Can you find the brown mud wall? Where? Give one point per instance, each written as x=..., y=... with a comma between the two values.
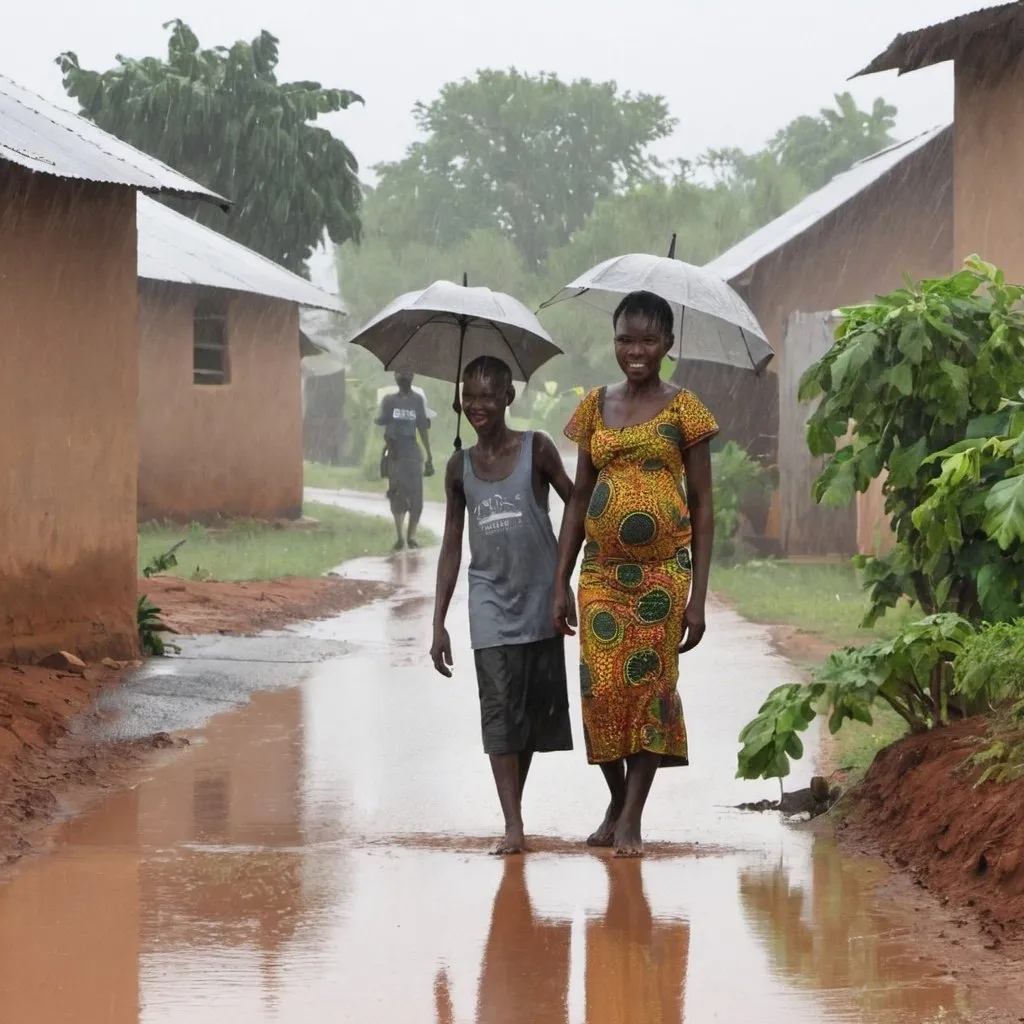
x=989, y=154
x=207, y=451
x=918, y=806
x=68, y=457
x=902, y=223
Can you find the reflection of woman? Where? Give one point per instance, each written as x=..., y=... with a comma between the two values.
x=636, y=967
x=640, y=592
x=525, y=975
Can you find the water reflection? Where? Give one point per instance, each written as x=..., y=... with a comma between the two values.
x=525, y=971
x=635, y=965
x=835, y=937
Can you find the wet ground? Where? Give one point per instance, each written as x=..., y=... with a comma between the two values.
x=319, y=854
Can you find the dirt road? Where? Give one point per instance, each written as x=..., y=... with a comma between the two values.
x=318, y=854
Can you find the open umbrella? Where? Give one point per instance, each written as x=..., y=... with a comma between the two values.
x=712, y=322
x=439, y=330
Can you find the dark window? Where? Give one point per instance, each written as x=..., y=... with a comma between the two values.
x=210, y=342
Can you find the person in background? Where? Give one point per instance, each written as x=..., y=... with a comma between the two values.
x=642, y=502
x=403, y=416
x=503, y=483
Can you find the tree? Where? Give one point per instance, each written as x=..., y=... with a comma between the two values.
x=819, y=148
x=527, y=155
x=221, y=117
x=803, y=156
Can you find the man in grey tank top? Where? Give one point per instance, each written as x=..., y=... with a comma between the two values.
x=503, y=483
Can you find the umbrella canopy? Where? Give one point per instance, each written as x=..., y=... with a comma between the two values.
x=439, y=330
x=712, y=322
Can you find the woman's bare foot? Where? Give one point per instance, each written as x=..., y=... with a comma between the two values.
x=627, y=840
x=605, y=834
x=514, y=842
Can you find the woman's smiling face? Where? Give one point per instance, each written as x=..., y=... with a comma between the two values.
x=640, y=347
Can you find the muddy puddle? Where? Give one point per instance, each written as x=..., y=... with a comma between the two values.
x=318, y=854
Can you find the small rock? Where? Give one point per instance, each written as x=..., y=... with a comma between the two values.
x=64, y=661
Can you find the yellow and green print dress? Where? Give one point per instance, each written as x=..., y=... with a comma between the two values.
x=635, y=578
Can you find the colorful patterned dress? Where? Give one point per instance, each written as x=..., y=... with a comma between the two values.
x=635, y=578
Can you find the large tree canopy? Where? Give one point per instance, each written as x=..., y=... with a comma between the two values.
x=528, y=155
x=220, y=116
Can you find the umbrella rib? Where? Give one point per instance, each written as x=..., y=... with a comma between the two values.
x=511, y=350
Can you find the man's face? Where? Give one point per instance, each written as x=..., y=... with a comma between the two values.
x=484, y=401
x=403, y=380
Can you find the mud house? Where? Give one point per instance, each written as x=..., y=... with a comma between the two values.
x=220, y=385
x=987, y=51
x=844, y=244
x=69, y=333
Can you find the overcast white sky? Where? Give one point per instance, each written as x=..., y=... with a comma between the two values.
x=732, y=70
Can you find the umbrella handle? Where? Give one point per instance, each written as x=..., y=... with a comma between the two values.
x=457, y=401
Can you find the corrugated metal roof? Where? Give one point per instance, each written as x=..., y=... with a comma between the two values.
x=947, y=40
x=743, y=256
x=174, y=248
x=49, y=140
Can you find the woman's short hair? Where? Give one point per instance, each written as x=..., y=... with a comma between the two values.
x=492, y=369
x=647, y=304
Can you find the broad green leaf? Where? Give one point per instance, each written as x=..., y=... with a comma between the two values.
x=901, y=377
x=1005, y=505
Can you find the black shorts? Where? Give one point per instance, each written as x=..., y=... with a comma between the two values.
x=405, y=486
x=524, y=702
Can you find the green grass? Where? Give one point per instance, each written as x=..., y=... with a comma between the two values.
x=252, y=550
x=354, y=478
x=824, y=600
x=856, y=744
x=827, y=602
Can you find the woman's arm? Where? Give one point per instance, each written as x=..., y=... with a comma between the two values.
x=697, y=463
x=570, y=540
x=448, y=562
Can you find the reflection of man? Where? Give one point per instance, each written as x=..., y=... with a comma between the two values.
x=525, y=973
x=403, y=416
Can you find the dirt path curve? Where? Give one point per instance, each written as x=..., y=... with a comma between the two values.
x=320, y=855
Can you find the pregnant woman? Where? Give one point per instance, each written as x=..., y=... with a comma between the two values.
x=642, y=504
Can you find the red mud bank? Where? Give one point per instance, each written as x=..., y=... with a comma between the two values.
x=47, y=765
x=919, y=808
x=241, y=609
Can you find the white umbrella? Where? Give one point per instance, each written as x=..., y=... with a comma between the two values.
x=712, y=322
x=439, y=330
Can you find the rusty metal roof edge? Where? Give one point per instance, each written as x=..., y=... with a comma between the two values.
x=934, y=40
x=136, y=177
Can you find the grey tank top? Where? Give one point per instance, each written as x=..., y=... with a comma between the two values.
x=513, y=553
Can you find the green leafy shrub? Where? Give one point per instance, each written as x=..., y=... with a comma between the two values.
x=737, y=478
x=162, y=562
x=919, y=372
x=912, y=673
x=151, y=627
x=990, y=667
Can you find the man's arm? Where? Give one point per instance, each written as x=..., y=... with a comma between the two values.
x=697, y=463
x=548, y=460
x=423, y=427
x=448, y=562
x=383, y=417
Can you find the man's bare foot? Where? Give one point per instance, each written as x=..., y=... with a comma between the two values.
x=411, y=544
x=605, y=834
x=514, y=842
x=627, y=841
